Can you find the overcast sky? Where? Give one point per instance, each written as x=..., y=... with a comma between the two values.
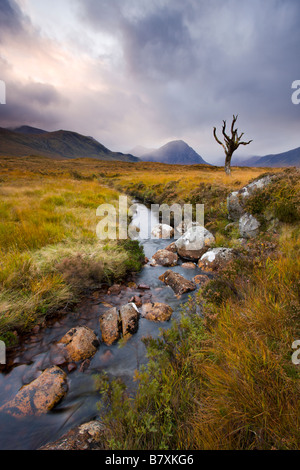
x=144, y=72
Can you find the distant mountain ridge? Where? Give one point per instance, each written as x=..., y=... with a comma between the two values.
x=284, y=159
x=27, y=130
x=176, y=152
x=139, y=151
x=25, y=140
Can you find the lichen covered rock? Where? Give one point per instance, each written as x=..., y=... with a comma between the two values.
x=178, y=283
x=110, y=326
x=129, y=315
x=156, y=311
x=164, y=258
x=80, y=343
x=39, y=396
x=215, y=259
x=87, y=436
x=194, y=243
x=248, y=226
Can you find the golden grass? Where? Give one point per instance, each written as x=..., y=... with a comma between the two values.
x=47, y=212
x=226, y=383
x=223, y=383
x=44, y=220
x=250, y=398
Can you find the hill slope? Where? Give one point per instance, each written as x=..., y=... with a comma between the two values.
x=27, y=130
x=284, y=159
x=25, y=141
x=175, y=152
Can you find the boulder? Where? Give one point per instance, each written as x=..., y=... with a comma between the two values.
x=172, y=247
x=88, y=436
x=164, y=258
x=130, y=319
x=236, y=200
x=110, y=326
x=156, y=311
x=248, y=226
x=80, y=343
x=40, y=396
x=194, y=243
x=235, y=205
x=188, y=265
x=162, y=231
x=215, y=259
x=178, y=283
x=183, y=226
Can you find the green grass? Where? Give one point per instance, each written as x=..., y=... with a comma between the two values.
x=49, y=252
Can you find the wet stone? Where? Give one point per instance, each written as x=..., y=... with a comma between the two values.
x=157, y=312
x=110, y=326
x=178, y=283
x=130, y=319
x=39, y=396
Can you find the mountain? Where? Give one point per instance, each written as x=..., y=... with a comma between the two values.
x=25, y=141
x=289, y=158
x=139, y=151
x=28, y=130
x=175, y=152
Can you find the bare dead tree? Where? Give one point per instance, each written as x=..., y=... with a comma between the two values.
x=230, y=143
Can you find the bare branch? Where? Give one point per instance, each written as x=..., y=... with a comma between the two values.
x=227, y=138
x=233, y=123
x=219, y=142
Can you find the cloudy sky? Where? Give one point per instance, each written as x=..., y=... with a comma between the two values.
x=145, y=72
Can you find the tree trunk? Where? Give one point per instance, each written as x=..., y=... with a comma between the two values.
x=227, y=163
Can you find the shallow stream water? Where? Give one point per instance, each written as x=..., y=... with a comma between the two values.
x=36, y=353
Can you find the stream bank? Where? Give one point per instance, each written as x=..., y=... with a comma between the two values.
x=36, y=353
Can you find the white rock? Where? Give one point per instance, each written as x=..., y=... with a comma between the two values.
x=248, y=226
x=162, y=231
x=194, y=243
x=215, y=259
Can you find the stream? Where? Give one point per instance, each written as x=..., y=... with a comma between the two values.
x=35, y=353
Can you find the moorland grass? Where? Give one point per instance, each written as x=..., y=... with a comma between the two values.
x=226, y=380
x=49, y=251
x=220, y=380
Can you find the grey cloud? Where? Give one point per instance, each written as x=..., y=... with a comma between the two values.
x=32, y=104
x=182, y=67
x=10, y=15
x=41, y=94
x=11, y=19
x=159, y=46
